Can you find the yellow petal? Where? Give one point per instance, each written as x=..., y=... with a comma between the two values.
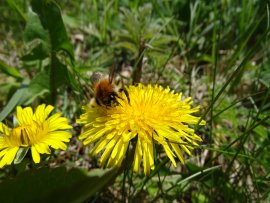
x=137, y=157
x=8, y=156
x=3, y=152
x=4, y=129
x=116, y=148
x=35, y=154
x=146, y=164
x=42, y=148
x=178, y=152
x=100, y=145
x=106, y=154
x=24, y=115
x=170, y=154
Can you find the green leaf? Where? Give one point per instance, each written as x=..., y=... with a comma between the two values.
x=60, y=73
x=13, y=102
x=9, y=70
x=36, y=38
x=51, y=20
x=50, y=16
x=27, y=93
x=34, y=29
x=15, y=6
x=55, y=185
x=37, y=50
x=38, y=86
x=127, y=45
x=73, y=82
x=261, y=131
x=20, y=155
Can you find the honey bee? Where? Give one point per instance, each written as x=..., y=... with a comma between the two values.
x=105, y=90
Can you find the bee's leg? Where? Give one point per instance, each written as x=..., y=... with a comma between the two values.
x=112, y=100
x=126, y=93
x=98, y=103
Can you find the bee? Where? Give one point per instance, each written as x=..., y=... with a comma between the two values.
x=105, y=90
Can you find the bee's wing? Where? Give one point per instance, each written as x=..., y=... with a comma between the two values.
x=96, y=77
x=112, y=73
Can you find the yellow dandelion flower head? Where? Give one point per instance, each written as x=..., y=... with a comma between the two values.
x=36, y=130
x=152, y=114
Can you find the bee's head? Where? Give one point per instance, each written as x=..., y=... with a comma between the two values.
x=110, y=100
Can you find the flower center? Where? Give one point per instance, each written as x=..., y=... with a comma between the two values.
x=22, y=134
x=27, y=134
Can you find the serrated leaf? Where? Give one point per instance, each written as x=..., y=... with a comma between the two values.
x=20, y=155
x=36, y=38
x=33, y=29
x=50, y=16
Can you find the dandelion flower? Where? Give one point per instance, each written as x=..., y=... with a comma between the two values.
x=154, y=115
x=37, y=131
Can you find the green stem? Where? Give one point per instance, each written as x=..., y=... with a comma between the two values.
x=137, y=74
x=53, y=79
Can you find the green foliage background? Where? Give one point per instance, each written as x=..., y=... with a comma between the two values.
x=215, y=51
